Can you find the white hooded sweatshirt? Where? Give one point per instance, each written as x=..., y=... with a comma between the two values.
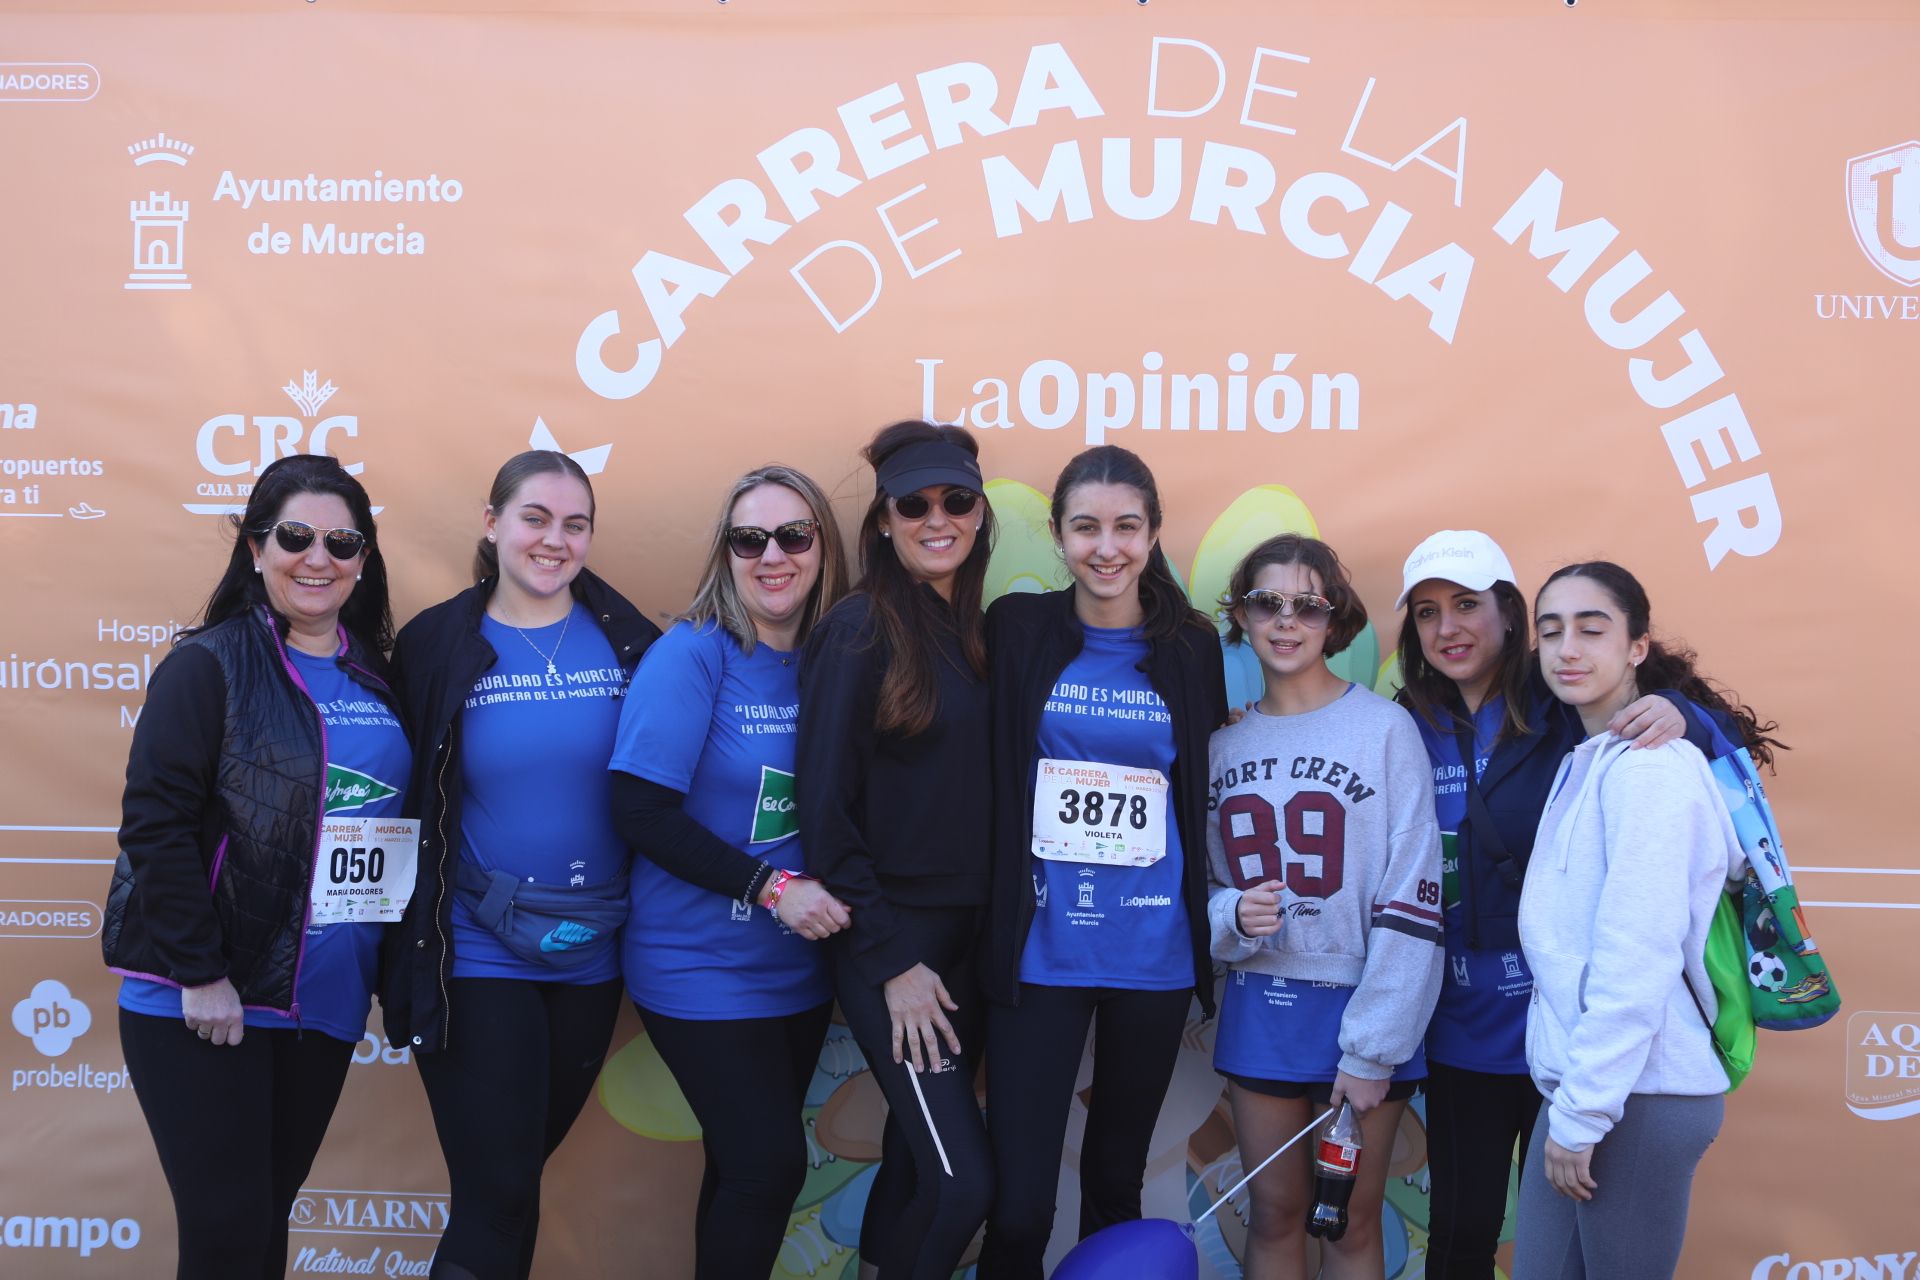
x=1634, y=850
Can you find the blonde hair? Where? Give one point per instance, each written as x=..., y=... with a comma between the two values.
x=718, y=601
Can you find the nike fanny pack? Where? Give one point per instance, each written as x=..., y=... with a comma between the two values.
x=559, y=926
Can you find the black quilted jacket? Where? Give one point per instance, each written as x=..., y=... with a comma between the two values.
x=220, y=820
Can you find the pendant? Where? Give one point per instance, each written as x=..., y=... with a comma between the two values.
x=550, y=669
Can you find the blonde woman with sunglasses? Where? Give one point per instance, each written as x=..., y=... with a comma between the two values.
x=722, y=951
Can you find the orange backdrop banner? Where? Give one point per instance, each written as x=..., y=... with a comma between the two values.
x=1634, y=279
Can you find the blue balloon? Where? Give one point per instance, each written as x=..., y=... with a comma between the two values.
x=1148, y=1249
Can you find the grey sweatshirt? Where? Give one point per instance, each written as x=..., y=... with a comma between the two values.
x=1633, y=852
x=1337, y=803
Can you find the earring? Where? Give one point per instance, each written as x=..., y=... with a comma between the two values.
x=356, y=577
x=256, y=566
x=886, y=533
x=489, y=537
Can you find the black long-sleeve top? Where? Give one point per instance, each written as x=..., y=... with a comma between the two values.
x=887, y=819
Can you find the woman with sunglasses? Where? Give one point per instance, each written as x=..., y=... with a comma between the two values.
x=1469, y=677
x=504, y=977
x=722, y=954
x=268, y=735
x=1634, y=851
x=892, y=785
x=1104, y=695
x=1326, y=864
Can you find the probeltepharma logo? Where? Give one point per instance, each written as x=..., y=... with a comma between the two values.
x=53, y=1018
x=84, y=1236
x=1883, y=1065
x=230, y=446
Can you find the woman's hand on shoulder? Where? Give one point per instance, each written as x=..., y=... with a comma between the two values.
x=213, y=1012
x=1652, y=721
x=809, y=909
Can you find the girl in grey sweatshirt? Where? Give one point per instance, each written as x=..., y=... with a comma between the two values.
x=1633, y=852
x=1324, y=858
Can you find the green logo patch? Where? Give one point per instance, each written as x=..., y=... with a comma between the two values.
x=773, y=816
x=348, y=789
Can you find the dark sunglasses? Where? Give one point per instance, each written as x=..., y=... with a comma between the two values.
x=1262, y=605
x=955, y=502
x=295, y=536
x=749, y=542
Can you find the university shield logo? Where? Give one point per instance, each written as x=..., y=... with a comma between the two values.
x=773, y=817
x=1883, y=203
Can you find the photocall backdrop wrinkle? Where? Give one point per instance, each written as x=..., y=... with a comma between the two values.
x=1626, y=280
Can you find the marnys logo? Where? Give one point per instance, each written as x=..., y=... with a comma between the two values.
x=233, y=444
x=412, y=1215
x=1881, y=1266
x=1883, y=1065
x=53, y=1018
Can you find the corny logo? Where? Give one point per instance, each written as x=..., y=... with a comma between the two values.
x=51, y=1017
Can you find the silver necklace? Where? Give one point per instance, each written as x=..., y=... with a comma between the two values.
x=548, y=657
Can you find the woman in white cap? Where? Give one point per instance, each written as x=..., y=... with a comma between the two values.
x=1478, y=698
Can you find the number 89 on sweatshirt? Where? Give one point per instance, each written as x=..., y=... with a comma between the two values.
x=1114, y=815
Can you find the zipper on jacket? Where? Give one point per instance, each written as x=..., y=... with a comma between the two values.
x=446, y=947
x=319, y=829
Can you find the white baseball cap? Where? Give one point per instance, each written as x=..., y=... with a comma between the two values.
x=1465, y=556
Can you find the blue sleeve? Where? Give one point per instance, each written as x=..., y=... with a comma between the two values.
x=669, y=707
x=1708, y=730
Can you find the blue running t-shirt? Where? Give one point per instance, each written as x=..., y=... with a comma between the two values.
x=367, y=763
x=1480, y=1021
x=717, y=725
x=1104, y=925
x=533, y=769
x=1287, y=1029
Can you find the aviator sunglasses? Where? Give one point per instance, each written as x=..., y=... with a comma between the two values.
x=295, y=536
x=749, y=542
x=1262, y=605
x=955, y=502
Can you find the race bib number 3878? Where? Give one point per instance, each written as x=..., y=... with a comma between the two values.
x=1084, y=811
x=365, y=870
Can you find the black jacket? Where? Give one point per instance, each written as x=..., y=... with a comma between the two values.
x=1030, y=641
x=1518, y=779
x=887, y=819
x=436, y=660
x=220, y=820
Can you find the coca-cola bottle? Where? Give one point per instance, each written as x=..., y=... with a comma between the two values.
x=1334, y=1163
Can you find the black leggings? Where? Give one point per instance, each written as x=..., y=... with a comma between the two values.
x=505, y=1090
x=1474, y=1119
x=746, y=1080
x=1036, y=1048
x=920, y=1219
x=237, y=1128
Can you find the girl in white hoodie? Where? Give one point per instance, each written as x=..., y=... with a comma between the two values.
x=1633, y=852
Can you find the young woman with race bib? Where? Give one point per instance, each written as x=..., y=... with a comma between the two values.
x=504, y=978
x=893, y=785
x=1325, y=860
x=722, y=953
x=1469, y=677
x=1634, y=851
x=1104, y=695
x=267, y=762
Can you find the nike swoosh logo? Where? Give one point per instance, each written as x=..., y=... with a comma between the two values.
x=567, y=935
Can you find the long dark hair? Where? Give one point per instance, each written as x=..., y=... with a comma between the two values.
x=1349, y=614
x=513, y=473
x=1436, y=699
x=366, y=614
x=908, y=620
x=1670, y=664
x=1164, y=606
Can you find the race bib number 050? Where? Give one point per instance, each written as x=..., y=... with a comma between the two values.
x=366, y=870
x=1101, y=813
